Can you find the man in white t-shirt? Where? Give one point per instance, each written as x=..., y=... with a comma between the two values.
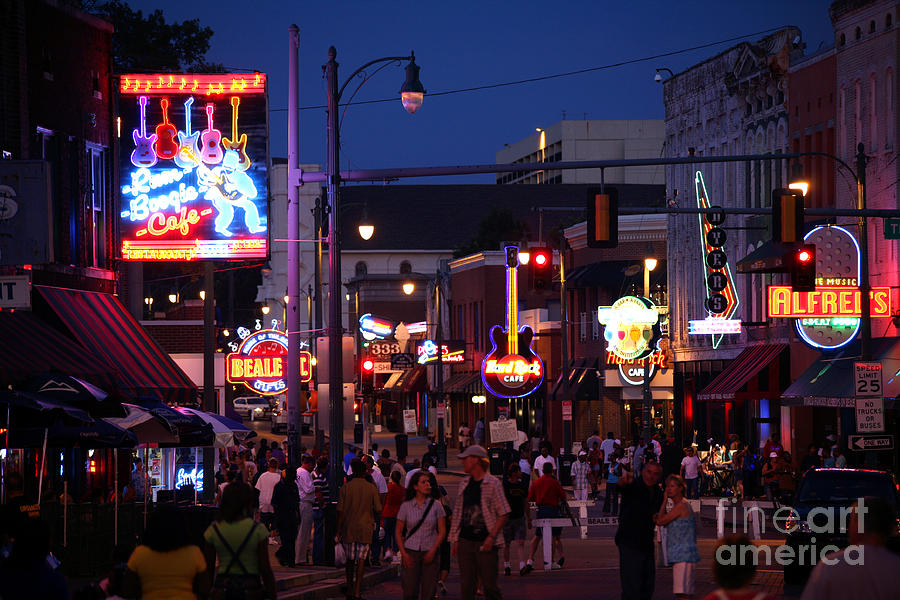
x=266, y=484
x=690, y=471
x=525, y=461
x=543, y=458
x=607, y=446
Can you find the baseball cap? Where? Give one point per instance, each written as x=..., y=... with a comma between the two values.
x=476, y=451
x=582, y=453
x=773, y=455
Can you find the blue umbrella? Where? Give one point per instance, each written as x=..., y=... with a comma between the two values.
x=24, y=408
x=73, y=391
x=97, y=434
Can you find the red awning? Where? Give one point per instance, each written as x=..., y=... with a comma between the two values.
x=747, y=364
x=101, y=324
x=32, y=347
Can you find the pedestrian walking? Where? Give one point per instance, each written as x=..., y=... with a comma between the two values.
x=240, y=545
x=166, y=565
x=690, y=471
x=395, y=496
x=479, y=432
x=611, y=498
x=865, y=569
x=266, y=486
x=463, y=436
x=735, y=576
x=381, y=486
x=445, y=545
x=357, y=506
x=681, y=536
x=476, y=533
x=525, y=460
x=539, y=462
x=323, y=498
x=420, y=529
x=580, y=473
x=515, y=488
x=307, y=493
x=641, y=497
x=547, y=493
x=286, y=504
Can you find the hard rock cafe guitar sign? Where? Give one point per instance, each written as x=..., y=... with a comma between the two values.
x=512, y=369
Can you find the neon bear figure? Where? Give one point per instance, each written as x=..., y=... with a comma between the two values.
x=143, y=154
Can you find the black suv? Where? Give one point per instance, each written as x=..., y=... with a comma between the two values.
x=831, y=490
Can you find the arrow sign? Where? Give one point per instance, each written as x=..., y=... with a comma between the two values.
x=871, y=442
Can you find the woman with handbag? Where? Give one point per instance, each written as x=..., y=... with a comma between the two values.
x=422, y=518
x=242, y=548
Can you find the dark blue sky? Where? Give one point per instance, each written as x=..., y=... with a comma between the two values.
x=462, y=44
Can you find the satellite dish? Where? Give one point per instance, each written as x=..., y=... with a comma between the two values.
x=632, y=270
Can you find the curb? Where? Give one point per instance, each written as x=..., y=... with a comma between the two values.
x=331, y=588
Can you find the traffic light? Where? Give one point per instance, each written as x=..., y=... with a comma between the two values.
x=541, y=268
x=603, y=217
x=803, y=268
x=368, y=365
x=787, y=216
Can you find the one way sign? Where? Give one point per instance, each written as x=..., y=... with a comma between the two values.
x=871, y=442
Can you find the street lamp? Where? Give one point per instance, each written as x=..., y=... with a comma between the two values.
x=411, y=95
x=798, y=182
x=649, y=265
x=658, y=77
x=409, y=287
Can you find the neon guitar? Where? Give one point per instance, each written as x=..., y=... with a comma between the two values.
x=143, y=154
x=186, y=139
x=239, y=145
x=211, y=139
x=165, y=146
x=217, y=181
x=512, y=368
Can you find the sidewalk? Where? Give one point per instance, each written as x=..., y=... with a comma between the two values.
x=321, y=582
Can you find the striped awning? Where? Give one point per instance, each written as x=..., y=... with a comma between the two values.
x=33, y=347
x=101, y=325
x=744, y=367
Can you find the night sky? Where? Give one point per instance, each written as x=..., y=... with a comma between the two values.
x=470, y=44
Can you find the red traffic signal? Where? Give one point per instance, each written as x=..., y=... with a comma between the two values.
x=603, y=217
x=368, y=365
x=803, y=268
x=541, y=268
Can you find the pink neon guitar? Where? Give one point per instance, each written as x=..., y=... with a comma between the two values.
x=186, y=139
x=239, y=145
x=143, y=154
x=211, y=140
x=165, y=145
x=512, y=369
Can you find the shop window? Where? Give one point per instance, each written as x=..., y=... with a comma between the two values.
x=95, y=160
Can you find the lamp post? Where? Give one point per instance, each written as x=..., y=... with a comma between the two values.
x=649, y=265
x=411, y=93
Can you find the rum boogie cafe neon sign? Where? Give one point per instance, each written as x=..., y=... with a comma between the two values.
x=261, y=363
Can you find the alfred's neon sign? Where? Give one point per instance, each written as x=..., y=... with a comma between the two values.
x=826, y=302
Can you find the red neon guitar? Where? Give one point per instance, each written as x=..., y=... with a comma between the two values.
x=143, y=154
x=238, y=145
x=165, y=145
x=211, y=139
x=512, y=369
x=186, y=139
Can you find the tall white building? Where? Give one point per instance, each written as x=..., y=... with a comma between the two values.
x=588, y=140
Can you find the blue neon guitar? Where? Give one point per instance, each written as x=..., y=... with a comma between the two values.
x=512, y=369
x=143, y=154
x=186, y=139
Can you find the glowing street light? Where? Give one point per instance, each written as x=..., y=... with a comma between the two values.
x=408, y=288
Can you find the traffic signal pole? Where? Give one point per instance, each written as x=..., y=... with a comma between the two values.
x=864, y=283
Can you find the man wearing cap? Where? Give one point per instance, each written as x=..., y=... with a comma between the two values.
x=580, y=471
x=476, y=531
x=547, y=494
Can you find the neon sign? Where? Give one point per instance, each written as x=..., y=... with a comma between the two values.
x=512, y=369
x=260, y=362
x=826, y=302
x=721, y=294
x=373, y=328
x=632, y=370
x=192, y=194
x=714, y=326
x=452, y=351
x=631, y=327
x=192, y=476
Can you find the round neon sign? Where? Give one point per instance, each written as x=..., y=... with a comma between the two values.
x=631, y=327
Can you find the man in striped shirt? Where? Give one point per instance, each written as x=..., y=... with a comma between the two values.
x=320, y=481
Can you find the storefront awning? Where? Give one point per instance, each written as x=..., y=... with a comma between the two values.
x=31, y=347
x=829, y=380
x=391, y=382
x=458, y=383
x=746, y=366
x=411, y=380
x=101, y=324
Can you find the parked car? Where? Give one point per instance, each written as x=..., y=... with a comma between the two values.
x=280, y=415
x=831, y=489
x=252, y=407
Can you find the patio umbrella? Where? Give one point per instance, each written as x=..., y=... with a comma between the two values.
x=227, y=432
x=192, y=431
x=63, y=434
x=31, y=410
x=66, y=389
x=148, y=427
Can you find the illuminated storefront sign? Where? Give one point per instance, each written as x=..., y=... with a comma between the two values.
x=714, y=326
x=631, y=327
x=826, y=302
x=512, y=369
x=721, y=294
x=260, y=362
x=453, y=351
x=191, y=193
x=373, y=328
x=189, y=476
x=632, y=370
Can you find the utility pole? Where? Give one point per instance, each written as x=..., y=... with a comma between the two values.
x=564, y=335
x=292, y=311
x=864, y=283
x=439, y=376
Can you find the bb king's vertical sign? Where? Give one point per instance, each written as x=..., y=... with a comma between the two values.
x=194, y=161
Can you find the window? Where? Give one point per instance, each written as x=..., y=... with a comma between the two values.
x=595, y=325
x=405, y=268
x=871, y=26
x=842, y=121
x=858, y=33
x=361, y=269
x=889, y=109
x=888, y=21
x=582, y=326
x=857, y=112
x=843, y=40
x=95, y=161
x=476, y=325
x=873, y=113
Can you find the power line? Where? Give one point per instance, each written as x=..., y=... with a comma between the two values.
x=555, y=75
